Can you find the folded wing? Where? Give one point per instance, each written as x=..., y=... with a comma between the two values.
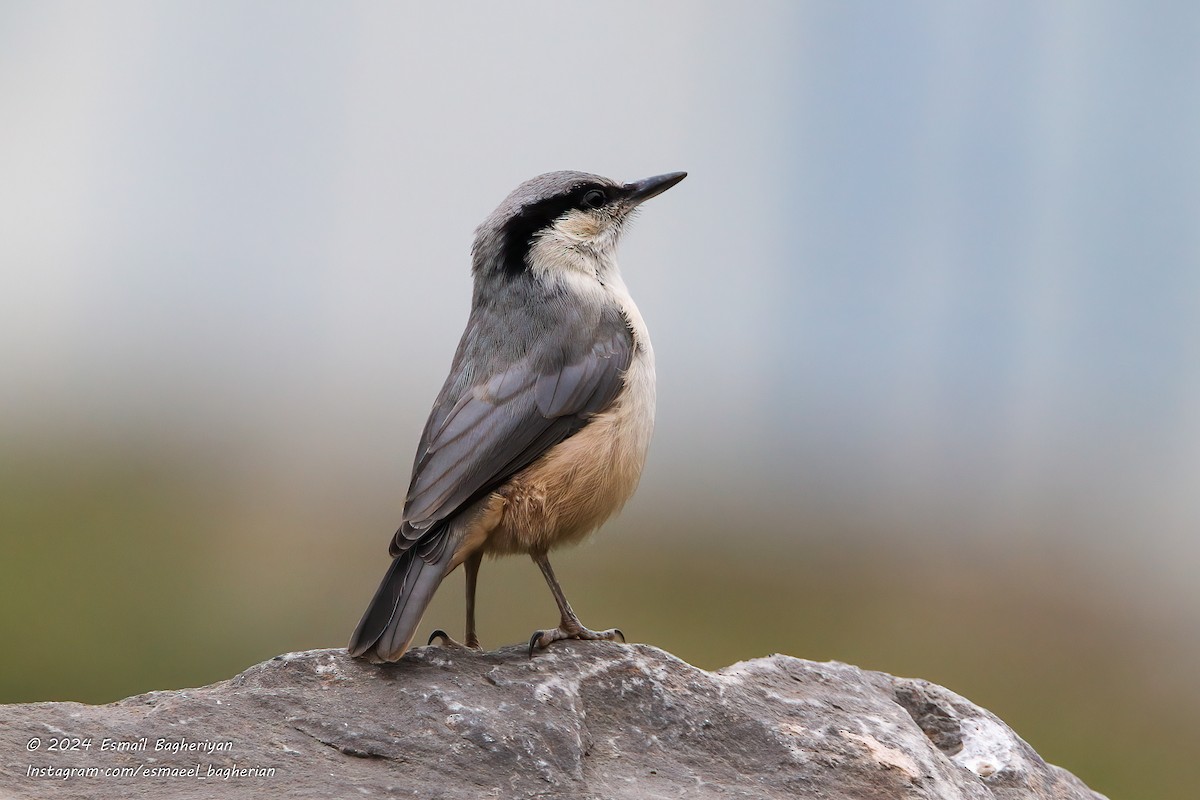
x=480, y=436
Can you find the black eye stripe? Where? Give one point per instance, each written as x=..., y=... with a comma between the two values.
x=520, y=230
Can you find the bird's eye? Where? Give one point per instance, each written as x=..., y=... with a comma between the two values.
x=594, y=199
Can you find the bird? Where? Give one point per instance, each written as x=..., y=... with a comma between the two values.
x=541, y=429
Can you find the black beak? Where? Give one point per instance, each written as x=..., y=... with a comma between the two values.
x=641, y=191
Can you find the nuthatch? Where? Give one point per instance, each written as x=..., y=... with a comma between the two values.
x=541, y=429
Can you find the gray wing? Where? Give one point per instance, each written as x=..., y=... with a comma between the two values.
x=480, y=434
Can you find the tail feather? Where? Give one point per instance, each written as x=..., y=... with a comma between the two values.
x=391, y=620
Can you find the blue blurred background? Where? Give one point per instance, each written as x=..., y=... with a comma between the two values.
x=927, y=316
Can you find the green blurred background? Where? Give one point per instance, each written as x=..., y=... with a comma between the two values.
x=927, y=315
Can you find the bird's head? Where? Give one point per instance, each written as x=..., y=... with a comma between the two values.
x=560, y=222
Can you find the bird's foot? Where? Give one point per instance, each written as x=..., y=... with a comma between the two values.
x=543, y=639
x=472, y=643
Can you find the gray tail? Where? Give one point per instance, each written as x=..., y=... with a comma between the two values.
x=390, y=622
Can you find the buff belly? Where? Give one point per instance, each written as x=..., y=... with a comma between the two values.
x=577, y=484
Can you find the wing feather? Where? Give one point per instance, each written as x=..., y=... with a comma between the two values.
x=481, y=434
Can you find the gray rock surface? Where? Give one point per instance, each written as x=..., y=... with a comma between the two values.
x=581, y=720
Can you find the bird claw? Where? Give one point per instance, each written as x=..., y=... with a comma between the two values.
x=449, y=642
x=543, y=639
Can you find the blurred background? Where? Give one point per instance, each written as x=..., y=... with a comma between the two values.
x=927, y=317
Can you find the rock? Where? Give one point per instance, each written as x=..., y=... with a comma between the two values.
x=580, y=720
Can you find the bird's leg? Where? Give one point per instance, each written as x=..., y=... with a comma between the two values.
x=471, y=565
x=472, y=568
x=569, y=627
